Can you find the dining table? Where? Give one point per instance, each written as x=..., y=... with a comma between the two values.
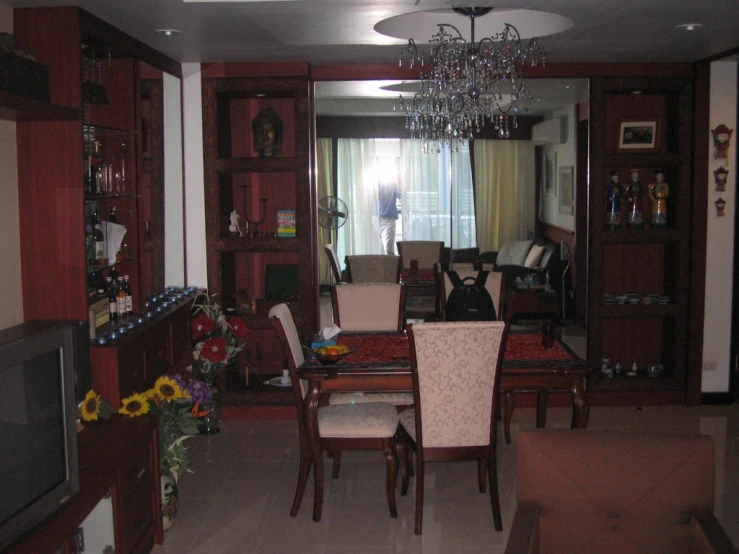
x=380, y=362
x=421, y=285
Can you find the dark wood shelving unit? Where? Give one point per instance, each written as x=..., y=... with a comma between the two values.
x=19, y=108
x=641, y=261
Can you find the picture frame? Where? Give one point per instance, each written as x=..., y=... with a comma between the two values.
x=550, y=173
x=639, y=135
x=566, y=190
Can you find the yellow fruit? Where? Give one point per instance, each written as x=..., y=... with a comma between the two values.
x=342, y=348
x=322, y=351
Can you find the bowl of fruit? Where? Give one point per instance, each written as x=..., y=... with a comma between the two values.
x=331, y=353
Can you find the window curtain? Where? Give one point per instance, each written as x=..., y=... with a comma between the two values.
x=505, y=192
x=324, y=178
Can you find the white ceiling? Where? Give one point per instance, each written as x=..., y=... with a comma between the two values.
x=326, y=32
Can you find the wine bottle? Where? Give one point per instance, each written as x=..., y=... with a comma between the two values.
x=113, y=216
x=112, y=300
x=129, y=295
x=121, y=299
x=114, y=275
x=97, y=232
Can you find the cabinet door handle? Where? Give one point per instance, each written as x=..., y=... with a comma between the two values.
x=140, y=473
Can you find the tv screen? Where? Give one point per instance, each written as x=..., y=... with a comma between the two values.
x=39, y=467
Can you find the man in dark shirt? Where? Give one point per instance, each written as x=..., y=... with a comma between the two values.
x=387, y=194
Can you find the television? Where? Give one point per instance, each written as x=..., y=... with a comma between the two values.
x=44, y=372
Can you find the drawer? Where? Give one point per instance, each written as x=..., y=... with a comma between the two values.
x=138, y=518
x=136, y=471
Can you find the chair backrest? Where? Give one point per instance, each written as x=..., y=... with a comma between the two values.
x=333, y=260
x=373, y=269
x=283, y=322
x=615, y=482
x=455, y=380
x=495, y=285
x=369, y=306
x=427, y=252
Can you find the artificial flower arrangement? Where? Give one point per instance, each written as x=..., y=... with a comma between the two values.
x=218, y=337
x=179, y=407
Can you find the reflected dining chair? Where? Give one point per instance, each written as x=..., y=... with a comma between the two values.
x=427, y=252
x=363, y=426
x=495, y=285
x=369, y=306
x=456, y=375
x=333, y=261
x=373, y=269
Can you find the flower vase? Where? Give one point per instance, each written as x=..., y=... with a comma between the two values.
x=170, y=496
x=209, y=424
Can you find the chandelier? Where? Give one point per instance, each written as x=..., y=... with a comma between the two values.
x=464, y=84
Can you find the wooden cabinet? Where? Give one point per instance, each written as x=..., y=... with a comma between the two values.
x=258, y=263
x=652, y=260
x=119, y=457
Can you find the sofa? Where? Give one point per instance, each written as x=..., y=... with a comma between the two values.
x=520, y=259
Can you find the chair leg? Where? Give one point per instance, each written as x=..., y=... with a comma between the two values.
x=337, y=464
x=303, y=473
x=391, y=461
x=494, y=497
x=404, y=456
x=419, y=493
x=482, y=469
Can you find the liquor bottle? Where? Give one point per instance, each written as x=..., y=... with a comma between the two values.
x=89, y=244
x=113, y=216
x=112, y=300
x=97, y=232
x=113, y=275
x=121, y=299
x=129, y=295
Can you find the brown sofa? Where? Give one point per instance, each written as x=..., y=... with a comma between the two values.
x=600, y=492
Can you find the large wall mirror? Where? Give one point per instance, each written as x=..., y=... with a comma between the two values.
x=552, y=164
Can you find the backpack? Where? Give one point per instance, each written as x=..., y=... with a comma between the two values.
x=469, y=301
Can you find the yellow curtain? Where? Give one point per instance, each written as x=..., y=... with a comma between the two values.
x=324, y=179
x=505, y=192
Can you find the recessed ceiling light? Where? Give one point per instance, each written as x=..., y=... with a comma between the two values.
x=168, y=32
x=690, y=26
x=260, y=94
x=635, y=92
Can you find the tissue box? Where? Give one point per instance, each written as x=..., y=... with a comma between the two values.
x=314, y=344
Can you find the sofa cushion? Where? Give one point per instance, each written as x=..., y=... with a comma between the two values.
x=549, y=250
x=534, y=256
x=513, y=252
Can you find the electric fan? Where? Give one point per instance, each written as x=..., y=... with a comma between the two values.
x=332, y=212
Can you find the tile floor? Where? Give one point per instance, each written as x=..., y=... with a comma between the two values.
x=238, y=499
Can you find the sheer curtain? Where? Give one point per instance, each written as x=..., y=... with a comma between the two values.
x=505, y=191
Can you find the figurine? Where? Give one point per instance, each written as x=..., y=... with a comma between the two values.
x=720, y=175
x=720, y=207
x=267, y=130
x=613, y=197
x=721, y=141
x=635, y=215
x=658, y=193
x=234, y=228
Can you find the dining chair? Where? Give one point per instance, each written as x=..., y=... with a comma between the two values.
x=375, y=268
x=427, y=252
x=456, y=375
x=333, y=260
x=365, y=426
x=495, y=285
x=369, y=306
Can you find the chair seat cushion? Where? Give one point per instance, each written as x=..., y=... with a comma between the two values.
x=394, y=398
x=408, y=421
x=363, y=420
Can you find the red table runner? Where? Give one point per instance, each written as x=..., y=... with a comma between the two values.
x=389, y=347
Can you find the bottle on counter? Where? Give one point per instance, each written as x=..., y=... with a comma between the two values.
x=121, y=299
x=129, y=295
x=112, y=300
x=98, y=236
x=114, y=276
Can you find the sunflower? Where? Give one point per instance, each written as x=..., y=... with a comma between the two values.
x=90, y=406
x=135, y=405
x=167, y=388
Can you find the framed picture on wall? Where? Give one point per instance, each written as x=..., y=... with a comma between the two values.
x=550, y=173
x=565, y=190
x=639, y=135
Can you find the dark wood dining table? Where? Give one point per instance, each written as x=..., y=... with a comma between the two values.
x=381, y=363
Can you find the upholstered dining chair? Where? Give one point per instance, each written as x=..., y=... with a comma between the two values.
x=495, y=285
x=369, y=306
x=615, y=492
x=333, y=260
x=427, y=252
x=456, y=373
x=362, y=426
x=373, y=268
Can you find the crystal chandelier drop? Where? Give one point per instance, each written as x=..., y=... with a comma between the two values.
x=465, y=84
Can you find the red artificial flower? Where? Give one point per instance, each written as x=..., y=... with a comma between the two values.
x=214, y=350
x=238, y=326
x=202, y=325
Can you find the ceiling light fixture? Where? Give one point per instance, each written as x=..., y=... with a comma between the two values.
x=168, y=32
x=465, y=84
x=689, y=27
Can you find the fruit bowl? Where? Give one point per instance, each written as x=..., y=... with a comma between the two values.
x=329, y=359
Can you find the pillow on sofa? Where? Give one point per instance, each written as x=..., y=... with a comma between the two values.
x=513, y=252
x=534, y=256
x=549, y=250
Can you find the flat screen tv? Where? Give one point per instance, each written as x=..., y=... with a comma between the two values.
x=40, y=361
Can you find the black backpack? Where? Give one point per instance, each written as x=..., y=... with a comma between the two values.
x=469, y=301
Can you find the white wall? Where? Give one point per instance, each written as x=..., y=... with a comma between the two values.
x=174, y=245
x=11, y=293
x=565, y=157
x=720, y=236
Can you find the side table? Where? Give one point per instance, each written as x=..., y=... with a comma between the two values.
x=531, y=301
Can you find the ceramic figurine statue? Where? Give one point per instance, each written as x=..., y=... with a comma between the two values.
x=658, y=193
x=635, y=215
x=613, y=199
x=234, y=229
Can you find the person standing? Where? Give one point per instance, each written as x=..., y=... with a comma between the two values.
x=387, y=194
